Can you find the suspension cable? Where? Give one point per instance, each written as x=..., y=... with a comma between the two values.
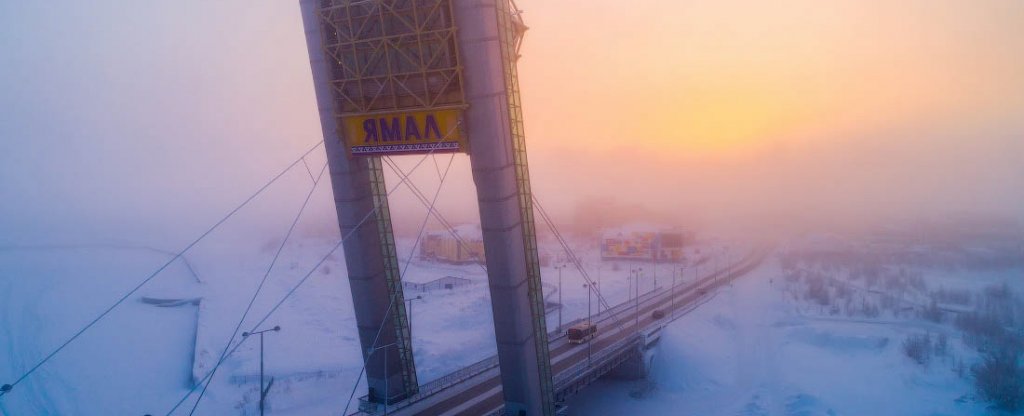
x=310, y=273
x=7, y=388
x=544, y=215
x=259, y=288
x=574, y=259
x=433, y=211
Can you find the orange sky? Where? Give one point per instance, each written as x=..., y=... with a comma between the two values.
x=724, y=75
x=807, y=109
x=715, y=111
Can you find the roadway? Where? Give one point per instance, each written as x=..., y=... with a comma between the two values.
x=481, y=394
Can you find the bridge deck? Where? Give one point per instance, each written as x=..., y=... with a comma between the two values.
x=476, y=390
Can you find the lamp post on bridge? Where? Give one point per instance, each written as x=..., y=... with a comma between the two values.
x=629, y=288
x=728, y=262
x=409, y=301
x=638, y=271
x=657, y=255
x=560, y=306
x=682, y=271
x=263, y=392
x=639, y=274
x=718, y=264
x=589, y=340
x=387, y=387
x=696, y=266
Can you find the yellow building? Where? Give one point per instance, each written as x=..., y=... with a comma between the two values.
x=442, y=246
x=645, y=245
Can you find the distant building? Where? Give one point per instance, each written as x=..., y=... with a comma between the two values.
x=445, y=283
x=442, y=246
x=645, y=245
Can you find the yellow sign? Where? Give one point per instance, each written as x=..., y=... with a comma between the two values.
x=438, y=131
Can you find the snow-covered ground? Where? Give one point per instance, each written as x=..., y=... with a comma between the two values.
x=750, y=350
x=753, y=351
x=142, y=358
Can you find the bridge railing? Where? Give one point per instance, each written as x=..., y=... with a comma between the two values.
x=465, y=373
x=433, y=387
x=458, y=376
x=579, y=369
x=623, y=309
x=586, y=371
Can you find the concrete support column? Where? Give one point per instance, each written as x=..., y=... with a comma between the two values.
x=373, y=273
x=502, y=181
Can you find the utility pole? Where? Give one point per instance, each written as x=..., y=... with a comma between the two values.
x=263, y=392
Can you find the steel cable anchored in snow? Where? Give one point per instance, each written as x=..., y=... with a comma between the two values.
x=208, y=378
x=7, y=388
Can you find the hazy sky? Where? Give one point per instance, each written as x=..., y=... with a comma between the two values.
x=156, y=113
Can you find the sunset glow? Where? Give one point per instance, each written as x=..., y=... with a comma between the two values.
x=522, y=207
x=723, y=76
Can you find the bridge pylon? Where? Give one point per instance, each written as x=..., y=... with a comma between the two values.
x=399, y=77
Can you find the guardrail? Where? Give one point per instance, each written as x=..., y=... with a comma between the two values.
x=565, y=377
x=607, y=314
x=581, y=368
x=435, y=386
x=458, y=376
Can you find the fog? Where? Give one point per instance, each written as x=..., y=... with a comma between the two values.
x=151, y=120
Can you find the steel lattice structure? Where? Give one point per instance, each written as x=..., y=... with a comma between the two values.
x=392, y=55
x=510, y=33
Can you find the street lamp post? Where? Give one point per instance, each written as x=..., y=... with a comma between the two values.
x=728, y=263
x=629, y=289
x=263, y=392
x=599, y=288
x=672, y=296
x=682, y=274
x=696, y=267
x=718, y=265
x=409, y=301
x=727, y=269
x=637, y=298
x=387, y=387
x=560, y=306
x=589, y=289
x=655, y=275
